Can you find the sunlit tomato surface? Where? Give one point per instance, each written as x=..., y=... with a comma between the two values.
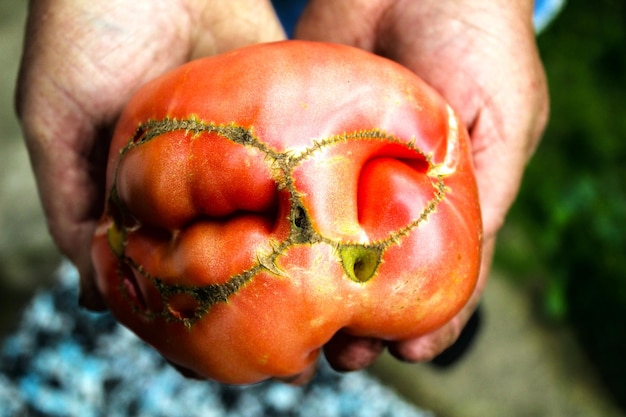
x=261, y=200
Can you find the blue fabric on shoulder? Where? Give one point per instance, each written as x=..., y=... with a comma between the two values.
x=290, y=10
x=544, y=13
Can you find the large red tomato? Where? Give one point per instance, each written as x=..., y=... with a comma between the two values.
x=262, y=200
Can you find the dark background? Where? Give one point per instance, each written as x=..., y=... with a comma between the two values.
x=566, y=236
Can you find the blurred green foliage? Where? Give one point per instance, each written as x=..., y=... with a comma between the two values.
x=566, y=233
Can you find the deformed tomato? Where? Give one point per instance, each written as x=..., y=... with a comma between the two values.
x=261, y=200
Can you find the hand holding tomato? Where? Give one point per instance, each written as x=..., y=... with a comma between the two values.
x=82, y=61
x=482, y=57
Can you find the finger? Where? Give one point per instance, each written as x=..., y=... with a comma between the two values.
x=349, y=353
x=460, y=347
x=427, y=347
x=72, y=201
x=62, y=139
x=89, y=295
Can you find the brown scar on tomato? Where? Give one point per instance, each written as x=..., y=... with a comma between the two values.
x=360, y=261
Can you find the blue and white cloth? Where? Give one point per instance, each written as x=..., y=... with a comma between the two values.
x=67, y=362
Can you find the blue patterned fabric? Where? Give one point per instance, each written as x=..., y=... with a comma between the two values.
x=64, y=361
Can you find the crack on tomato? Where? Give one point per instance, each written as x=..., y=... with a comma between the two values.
x=139, y=136
x=372, y=134
x=202, y=297
x=130, y=289
x=302, y=230
x=440, y=190
x=155, y=128
x=360, y=261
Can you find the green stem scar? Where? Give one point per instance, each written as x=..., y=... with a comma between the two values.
x=187, y=304
x=360, y=262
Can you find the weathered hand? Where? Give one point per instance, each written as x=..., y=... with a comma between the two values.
x=82, y=62
x=482, y=57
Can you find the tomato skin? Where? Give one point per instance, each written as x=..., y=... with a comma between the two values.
x=261, y=200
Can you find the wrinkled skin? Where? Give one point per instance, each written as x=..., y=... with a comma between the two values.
x=253, y=213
